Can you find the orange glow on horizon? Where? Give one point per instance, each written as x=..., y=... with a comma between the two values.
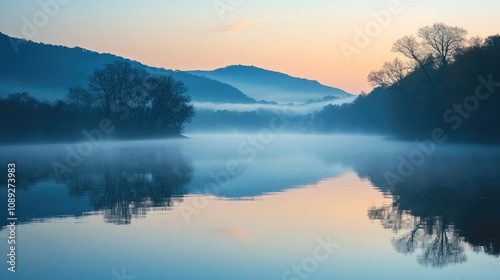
x=299, y=39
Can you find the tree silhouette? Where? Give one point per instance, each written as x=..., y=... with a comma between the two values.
x=439, y=243
x=122, y=181
x=170, y=107
x=390, y=74
x=80, y=99
x=449, y=203
x=449, y=73
x=138, y=104
x=492, y=41
x=443, y=41
x=409, y=47
x=116, y=84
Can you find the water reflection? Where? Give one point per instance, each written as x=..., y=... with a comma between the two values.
x=130, y=181
x=449, y=203
x=438, y=240
x=122, y=180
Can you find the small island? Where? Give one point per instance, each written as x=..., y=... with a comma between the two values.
x=120, y=102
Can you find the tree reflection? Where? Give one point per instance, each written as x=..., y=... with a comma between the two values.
x=438, y=241
x=129, y=182
x=121, y=180
x=449, y=204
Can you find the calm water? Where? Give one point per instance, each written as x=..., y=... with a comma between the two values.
x=235, y=207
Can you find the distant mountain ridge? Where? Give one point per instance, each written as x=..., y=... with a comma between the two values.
x=47, y=71
x=262, y=84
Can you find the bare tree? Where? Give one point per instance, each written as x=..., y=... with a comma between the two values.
x=116, y=84
x=170, y=106
x=475, y=42
x=80, y=99
x=443, y=41
x=378, y=79
x=390, y=74
x=143, y=102
x=440, y=243
x=409, y=47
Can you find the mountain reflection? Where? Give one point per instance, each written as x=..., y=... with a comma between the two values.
x=449, y=205
x=120, y=180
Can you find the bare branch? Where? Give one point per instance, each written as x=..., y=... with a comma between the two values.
x=443, y=41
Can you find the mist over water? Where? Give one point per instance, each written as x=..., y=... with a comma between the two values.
x=293, y=108
x=198, y=190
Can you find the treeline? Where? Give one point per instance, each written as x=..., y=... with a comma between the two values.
x=447, y=83
x=224, y=121
x=129, y=101
x=368, y=113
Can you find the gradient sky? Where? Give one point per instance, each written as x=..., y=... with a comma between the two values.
x=300, y=38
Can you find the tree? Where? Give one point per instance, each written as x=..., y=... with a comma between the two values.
x=139, y=102
x=439, y=45
x=443, y=41
x=22, y=100
x=117, y=85
x=390, y=74
x=170, y=107
x=80, y=99
x=475, y=42
x=409, y=47
x=378, y=79
x=493, y=41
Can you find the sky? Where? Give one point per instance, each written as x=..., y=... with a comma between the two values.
x=335, y=42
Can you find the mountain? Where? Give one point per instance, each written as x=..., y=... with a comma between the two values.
x=268, y=85
x=47, y=71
